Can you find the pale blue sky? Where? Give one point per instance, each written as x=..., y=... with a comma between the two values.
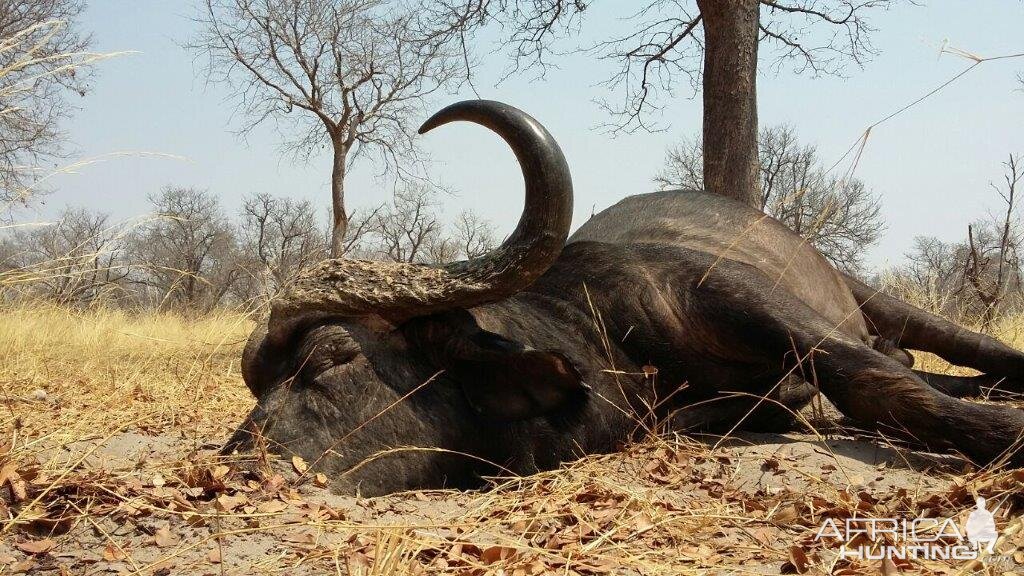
x=931, y=166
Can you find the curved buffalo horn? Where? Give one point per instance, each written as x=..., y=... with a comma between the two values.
x=398, y=291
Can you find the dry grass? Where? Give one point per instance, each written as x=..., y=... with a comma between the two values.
x=98, y=372
x=109, y=469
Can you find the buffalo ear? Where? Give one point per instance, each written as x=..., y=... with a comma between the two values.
x=519, y=385
x=502, y=379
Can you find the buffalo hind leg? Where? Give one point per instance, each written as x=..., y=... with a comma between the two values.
x=955, y=386
x=966, y=386
x=775, y=412
x=911, y=327
x=875, y=389
x=862, y=383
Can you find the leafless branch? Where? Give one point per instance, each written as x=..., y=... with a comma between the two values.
x=663, y=45
x=278, y=239
x=42, y=63
x=992, y=266
x=840, y=218
x=356, y=71
x=188, y=255
x=78, y=260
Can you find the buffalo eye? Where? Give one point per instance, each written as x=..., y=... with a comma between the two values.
x=323, y=348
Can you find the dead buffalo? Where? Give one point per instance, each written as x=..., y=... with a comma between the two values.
x=683, y=307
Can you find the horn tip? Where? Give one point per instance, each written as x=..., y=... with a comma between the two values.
x=464, y=110
x=434, y=121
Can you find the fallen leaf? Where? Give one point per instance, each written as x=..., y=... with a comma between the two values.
x=219, y=472
x=320, y=479
x=23, y=567
x=36, y=547
x=272, y=507
x=19, y=488
x=226, y=503
x=786, y=515
x=112, y=553
x=194, y=519
x=643, y=523
x=889, y=567
x=496, y=553
x=332, y=513
x=165, y=538
x=357, y=563
x=274, y=483
x=214, y=556
x=299, y=464
x=158, y=481
x=8, y=471
x=764, y=536
x=798, y=561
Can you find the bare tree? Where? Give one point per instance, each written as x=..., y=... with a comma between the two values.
x=410, y=229
x=993, y=265
x=961, y=280
x=711, y=43
x=188, y=252
x=470, y=237
x=406, y=229
x=840, y=217
x=278, y=237
x=41, y=64
x=684, y=166
x=355, y=71
x=77, y=260
x=976, y=279
x=474, y=236
x=933, y=276
x=441, y=250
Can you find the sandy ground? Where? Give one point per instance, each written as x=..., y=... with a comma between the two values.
x=752, y=500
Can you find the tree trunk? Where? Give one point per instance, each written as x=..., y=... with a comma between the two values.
x=340, y=217
x=730, y=98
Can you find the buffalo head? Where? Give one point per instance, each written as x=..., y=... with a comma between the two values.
x=382, y=375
